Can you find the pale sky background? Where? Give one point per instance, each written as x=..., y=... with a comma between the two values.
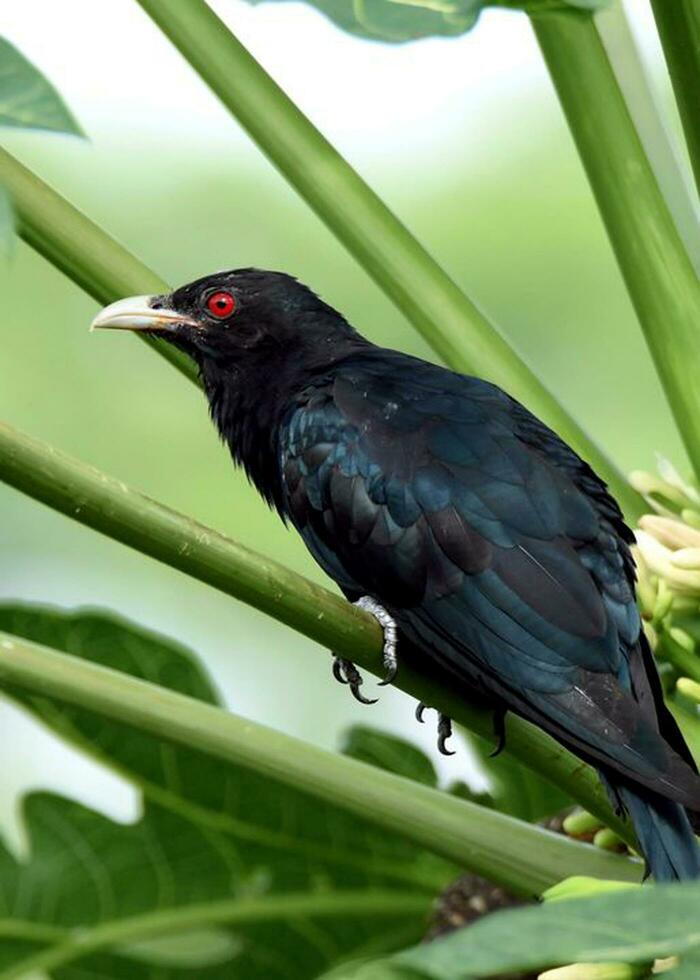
x=389, y=97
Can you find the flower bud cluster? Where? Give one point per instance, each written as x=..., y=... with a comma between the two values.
x=667, y=554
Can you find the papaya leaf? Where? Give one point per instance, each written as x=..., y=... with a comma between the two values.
x=28, y=100
x=516, y=790
x=7, y=222
x=391, y=753
x=630, y=926
x=382, y=969
x=252, y=878
x=398, y=21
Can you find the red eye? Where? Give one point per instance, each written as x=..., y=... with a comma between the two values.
x=221, y=305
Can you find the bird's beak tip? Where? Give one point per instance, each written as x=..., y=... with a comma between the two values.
x=137, y=313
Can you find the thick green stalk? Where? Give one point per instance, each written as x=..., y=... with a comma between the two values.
x=651, y=120
x=519, y=856
x=449, y=321
x=81, y=249
x=678, y=23
x=68, y=945
x=108, y=505
x=660, y=278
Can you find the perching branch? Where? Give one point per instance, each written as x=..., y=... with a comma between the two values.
x=662, y=283
x=109, y=506
x=678, y=23
x=520, y=856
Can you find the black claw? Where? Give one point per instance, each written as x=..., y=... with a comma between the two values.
x=338, y=665
x=499, y=728
x=420, y=710
x=357, y=694
x=346, y=672
x=444, y=732
x=390, y=676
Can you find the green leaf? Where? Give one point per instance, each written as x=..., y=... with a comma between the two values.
x=27, y=99
x=7, y=222
x=391, y=753
x=517, y=790
x=382, y=969
x=256, y=880
x=398, y=21
x=632, y=926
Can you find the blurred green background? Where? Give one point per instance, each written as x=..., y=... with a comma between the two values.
x=463, y=138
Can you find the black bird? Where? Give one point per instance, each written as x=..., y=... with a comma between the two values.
x=495, y=549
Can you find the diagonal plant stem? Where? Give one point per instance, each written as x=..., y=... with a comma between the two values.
x=519, y=856
x=450, y=322
x=108, y=505
x=653, y=125
x=678, y=23
x=660, y=278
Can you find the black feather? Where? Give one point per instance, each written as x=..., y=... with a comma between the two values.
x=500, y=553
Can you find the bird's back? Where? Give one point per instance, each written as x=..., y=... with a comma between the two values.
x=495, y=546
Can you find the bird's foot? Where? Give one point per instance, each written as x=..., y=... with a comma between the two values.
x=346, y=672
x=388, y=625
x=444, y=728
x=499, y=730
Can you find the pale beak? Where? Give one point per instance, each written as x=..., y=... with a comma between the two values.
x=137, y=313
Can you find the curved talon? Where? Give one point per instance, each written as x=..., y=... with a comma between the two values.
x=499, y=729
x=444, y=732
x=338, y=670
x=356, y=693
x=421, y=707
x=346, y=672
x=390, y=676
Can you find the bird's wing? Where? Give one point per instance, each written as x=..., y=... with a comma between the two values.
x=495, y=547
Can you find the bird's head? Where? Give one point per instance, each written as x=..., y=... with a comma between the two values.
x=257, y=338
x=240, y=320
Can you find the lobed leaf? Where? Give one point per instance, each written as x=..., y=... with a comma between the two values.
x=390, y=753
x=516, y=790
x=254, y=879
x=398, y=21
x=7, y=222
x=630, y=926
x=28, y=100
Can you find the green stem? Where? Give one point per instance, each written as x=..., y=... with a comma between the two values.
x=444, y=315
x=519, y=856
x=661, y=281
x=107, y=505
x=71, y=945
x=80, y=249
x=678, y=23
x=651, y=120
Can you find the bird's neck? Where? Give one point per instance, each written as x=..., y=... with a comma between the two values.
x=248, y=405
x=247, y=417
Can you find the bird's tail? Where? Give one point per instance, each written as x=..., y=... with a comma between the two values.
x=665, y=836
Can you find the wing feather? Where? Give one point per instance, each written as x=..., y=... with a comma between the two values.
x=496, y=548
